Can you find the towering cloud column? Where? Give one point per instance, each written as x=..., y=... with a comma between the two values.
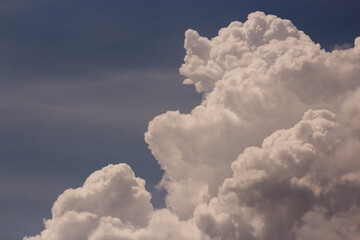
x=257, y=77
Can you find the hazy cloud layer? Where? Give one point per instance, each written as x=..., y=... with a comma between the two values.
x=270, y=153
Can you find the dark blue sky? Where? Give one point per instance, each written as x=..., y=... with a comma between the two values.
x=80, y=80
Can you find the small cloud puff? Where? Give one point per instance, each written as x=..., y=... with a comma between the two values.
x=113, y=191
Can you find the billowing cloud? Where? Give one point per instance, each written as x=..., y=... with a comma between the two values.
x=112, y=192
x=270, y=153
x=296, y=173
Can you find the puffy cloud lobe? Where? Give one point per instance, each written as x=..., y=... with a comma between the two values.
x=278, y=186
x=206, y=61
x=260, y=197
x=241, y=165
x=113, y=191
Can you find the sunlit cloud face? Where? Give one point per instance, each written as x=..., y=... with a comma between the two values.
x=270, y=153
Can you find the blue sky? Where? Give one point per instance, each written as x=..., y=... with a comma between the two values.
x=80, y=80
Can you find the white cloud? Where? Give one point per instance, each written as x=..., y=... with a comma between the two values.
x=113, y=191
x=268, y=74
x=274, y=186
x=231, y=169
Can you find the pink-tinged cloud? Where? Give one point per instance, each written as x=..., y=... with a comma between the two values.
x=272, y=151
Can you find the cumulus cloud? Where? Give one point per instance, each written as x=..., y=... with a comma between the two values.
x=270, y=153
x=112, y=192
x=275, y=188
